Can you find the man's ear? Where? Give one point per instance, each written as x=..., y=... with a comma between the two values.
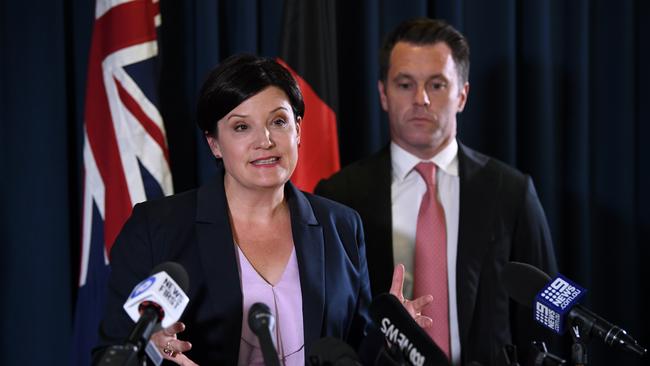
x=464, y=92
x=382, y=95
x=214, y=145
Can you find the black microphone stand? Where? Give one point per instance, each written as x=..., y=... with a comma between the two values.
x=269, y=354
x=121, y=355
x=131, y=353
x=579, y=346
x=510, y=354
x=542, y=357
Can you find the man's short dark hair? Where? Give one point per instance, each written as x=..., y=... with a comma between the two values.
x=238, y=78
x=425, y=31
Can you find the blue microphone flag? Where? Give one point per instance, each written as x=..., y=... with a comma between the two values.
x=554, y=301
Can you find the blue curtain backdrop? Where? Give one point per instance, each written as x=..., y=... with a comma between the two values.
x=559, y=89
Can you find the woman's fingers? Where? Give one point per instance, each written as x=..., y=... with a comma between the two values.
x=421, y=302
x=173, y=329
x=170, y=346
x=183, y=360
x=174, y=349
x=413, y=307
x=180, y=359
x=424, y=321
x=179, y=346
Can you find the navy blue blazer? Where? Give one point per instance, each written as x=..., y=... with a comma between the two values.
x=500, y=220
x=193, y=229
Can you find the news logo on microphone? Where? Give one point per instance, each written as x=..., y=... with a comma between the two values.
x=555, y=300
x=395, y=336
x=405, y=342
x=160, y=289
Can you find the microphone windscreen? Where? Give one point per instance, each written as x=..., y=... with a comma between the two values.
x=399, y=328
x=332, y=351
x=260, y=317
x=523, y=281
x=175, y=271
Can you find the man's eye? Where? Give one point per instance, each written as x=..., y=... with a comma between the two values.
x=404, y=86
x=438, y=86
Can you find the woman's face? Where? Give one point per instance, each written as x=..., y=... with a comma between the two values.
x=258, y=140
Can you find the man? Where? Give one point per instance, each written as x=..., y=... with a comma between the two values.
x=453, y=223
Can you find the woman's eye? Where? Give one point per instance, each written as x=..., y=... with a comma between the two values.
x=279, y=122
x=240, y=127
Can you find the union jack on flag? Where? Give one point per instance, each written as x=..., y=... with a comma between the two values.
x=125, y=153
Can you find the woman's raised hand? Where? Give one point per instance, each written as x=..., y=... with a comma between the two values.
x=414, y=307
x=171, y=347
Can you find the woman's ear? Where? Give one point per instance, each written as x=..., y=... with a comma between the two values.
x=298, y=129
x=214, y=145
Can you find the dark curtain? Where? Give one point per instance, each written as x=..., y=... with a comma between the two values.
x=559, y=89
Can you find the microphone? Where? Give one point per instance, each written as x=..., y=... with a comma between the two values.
x=330, y=351
x=163, y=292
x=159, y=298
x=402, y=332
x=556, y=305
x=262, y=323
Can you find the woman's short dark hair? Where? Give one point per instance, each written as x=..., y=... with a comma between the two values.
x=238, y=78
x=425, y=31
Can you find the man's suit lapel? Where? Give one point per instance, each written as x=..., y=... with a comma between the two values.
x=310, y=246
x=218, y=259
x=473, y=235
x=375, y=209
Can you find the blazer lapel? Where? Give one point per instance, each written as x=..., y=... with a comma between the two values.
x=309, y=243
x=218, y=259
x=473, y=235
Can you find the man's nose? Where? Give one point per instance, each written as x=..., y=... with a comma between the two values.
x=422, y=97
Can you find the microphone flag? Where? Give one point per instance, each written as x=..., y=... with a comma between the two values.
x=160, y=289
x=554, y=302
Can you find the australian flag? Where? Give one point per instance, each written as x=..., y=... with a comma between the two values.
x=126, y=159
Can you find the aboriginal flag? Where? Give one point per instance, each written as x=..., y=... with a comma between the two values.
x=309, y=52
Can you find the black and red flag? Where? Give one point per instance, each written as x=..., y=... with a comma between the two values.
x=309, y=52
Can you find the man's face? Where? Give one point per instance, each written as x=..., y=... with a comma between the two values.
x=422, y=95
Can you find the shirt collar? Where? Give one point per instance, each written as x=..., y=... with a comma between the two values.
x=403, y=161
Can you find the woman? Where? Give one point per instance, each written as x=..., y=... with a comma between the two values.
x=249, y=236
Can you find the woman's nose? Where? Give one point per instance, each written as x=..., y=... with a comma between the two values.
x=264, y=140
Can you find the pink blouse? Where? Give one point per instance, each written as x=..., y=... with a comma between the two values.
x=285, y=301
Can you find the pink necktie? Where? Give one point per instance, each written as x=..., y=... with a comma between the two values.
x=430, y=272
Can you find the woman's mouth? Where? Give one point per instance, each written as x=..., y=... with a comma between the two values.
x=266, y=161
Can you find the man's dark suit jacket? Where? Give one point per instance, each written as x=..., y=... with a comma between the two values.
x=193, y=229
x=500, y=220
